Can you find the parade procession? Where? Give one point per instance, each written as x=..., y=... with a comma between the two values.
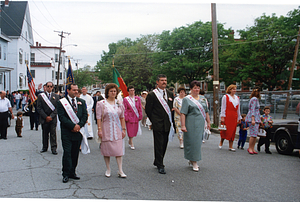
x=197, y=111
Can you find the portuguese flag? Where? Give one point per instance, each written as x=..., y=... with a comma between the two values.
x=117, y=79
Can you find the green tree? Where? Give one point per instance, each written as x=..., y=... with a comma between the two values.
x=186, y=52
x=264, y=53
x=84, y=76
x=132, y=59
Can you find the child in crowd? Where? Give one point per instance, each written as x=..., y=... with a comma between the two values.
x=243, y=132
x=19, y=124
x=267, y=122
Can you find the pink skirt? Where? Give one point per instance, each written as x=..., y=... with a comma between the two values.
x=114, y=148
x=132, y=129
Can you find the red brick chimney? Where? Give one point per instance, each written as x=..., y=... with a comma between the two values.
x=6, y=3
x=36, y=44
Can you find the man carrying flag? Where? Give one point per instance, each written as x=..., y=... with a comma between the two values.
x=32, y=104
x=31, y=86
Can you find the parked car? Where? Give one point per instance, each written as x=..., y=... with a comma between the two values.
x=293, y=102
x=245, y=106
x=284, y=134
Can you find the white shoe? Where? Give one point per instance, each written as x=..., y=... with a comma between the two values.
x=107, y=174
x=196, y=169
x=220, y=147
x=122, y=175
x=133, y=148
x=233, y=150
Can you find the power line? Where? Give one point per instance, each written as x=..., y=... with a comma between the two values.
x=42, y=13
x=187, y=49
x=21, y=35
x=49, y=14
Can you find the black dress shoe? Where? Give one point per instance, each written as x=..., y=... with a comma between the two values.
x=258, y=148
x=43, y=150
x=161, y=170
x=268, y=152
x=65, y=179
x=90, y=138
x=54, y=152
x=75, y=177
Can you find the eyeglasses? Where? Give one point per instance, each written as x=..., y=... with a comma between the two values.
x=50, y=86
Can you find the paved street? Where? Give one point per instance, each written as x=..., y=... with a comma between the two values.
x=224, y=175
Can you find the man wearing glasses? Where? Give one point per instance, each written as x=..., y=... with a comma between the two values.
x=46, y=106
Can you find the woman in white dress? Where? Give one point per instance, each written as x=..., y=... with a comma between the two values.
x=177, y=107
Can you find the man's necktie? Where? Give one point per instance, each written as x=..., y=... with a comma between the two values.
x=165, y=96
x=49, y=95
x=74, y=105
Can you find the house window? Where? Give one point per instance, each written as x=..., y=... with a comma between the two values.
x=238, y=86
x=60, y=75
x=32, y=73
x=0, y=51
x=1, y=75
x=20, y=58
x=56, y=57
x=20, y=82
x=4, y=52
x=222, y=86
x=32, y=57
x=52, y=75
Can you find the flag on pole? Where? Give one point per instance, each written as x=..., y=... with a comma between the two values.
x=31, y=86
x=117, y=79
x=70, y=78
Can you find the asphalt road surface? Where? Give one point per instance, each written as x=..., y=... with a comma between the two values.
x=224, y=176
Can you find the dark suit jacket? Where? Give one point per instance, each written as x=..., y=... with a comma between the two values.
x=67, y=125
x=96, y=100
x=156, y=113
x=44, y=110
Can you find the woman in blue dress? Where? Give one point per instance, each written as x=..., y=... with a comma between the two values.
x=194, y=112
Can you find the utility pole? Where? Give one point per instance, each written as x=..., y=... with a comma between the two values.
x=59, y=57
x=77, y=64
x=215, y=64
x=291, y=76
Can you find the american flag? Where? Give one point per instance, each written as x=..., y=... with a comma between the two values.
x=31, y=86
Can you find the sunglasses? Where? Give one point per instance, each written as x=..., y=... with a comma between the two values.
x=50, y=86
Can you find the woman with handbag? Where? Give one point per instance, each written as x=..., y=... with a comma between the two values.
x=111, y=128
x=253, y=118
x=194, y=112
x=230, y=116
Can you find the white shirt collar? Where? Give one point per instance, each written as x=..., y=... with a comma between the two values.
x=162, y=92
x=71, y=99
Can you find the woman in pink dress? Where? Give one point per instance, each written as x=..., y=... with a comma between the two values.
x=133, y=114
x=111, y=128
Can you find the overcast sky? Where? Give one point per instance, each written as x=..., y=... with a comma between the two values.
x=94, y=24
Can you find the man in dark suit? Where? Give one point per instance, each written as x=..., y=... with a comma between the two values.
x=48, y=117
x=160, y=120
x=70, y=135
x=96, y=98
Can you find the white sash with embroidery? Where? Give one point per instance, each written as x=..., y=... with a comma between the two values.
x=132, y=104
x=200, y=107
x=85, y=149
x=46, y=99
x=167, y=109
x=113, y=114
